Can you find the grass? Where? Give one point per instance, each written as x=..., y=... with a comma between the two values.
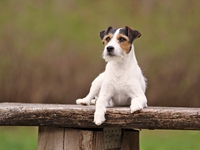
x=25, y=138
x=169, y=140
x=18, y=138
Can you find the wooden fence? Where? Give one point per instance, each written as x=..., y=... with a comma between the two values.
x=71, y=127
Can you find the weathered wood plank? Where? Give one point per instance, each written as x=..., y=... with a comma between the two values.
x=98, y=141
x=50, y=138
x=53, y=138
x=82, y=116
x=72, y=139
x=130, y=140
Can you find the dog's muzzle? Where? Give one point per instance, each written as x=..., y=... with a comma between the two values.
x=110, y=50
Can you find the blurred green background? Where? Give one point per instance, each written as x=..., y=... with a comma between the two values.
x=50, y=51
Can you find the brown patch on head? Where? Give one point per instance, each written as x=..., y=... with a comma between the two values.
x=124, y=42
x=107, y=38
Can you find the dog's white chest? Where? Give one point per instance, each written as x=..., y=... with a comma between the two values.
x=121, y=95
x=120, y=85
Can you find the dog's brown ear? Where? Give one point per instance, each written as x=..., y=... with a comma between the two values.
x=132, y=34
x=104, y=32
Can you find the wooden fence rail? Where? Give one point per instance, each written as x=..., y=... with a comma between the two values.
x=63, y=127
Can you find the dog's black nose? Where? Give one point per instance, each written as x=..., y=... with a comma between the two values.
x=110, y=49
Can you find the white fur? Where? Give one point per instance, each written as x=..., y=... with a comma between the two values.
x=122, y=83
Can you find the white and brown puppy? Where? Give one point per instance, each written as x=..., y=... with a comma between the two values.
x=122, y=83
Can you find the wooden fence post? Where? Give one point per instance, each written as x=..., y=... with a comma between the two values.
x=54, y=138
x=130, y=140
x=50, y=138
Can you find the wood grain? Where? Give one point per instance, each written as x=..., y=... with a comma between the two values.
x=50, y=138
x=130, y=140
x=54, y=138
x=17, y=114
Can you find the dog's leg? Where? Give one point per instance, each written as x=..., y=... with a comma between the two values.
x=102, y=102
x=138, y=99
x=94, y=91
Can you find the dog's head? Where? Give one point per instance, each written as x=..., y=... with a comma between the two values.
x=118, y=42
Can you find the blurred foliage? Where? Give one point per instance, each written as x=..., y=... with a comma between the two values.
x=50, y=51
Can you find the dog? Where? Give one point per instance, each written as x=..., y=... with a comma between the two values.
x=122, y=82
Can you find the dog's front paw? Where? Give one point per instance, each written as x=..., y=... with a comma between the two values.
x=99, y=118
x=138, y=103
x=136, y=106
x=83, y=101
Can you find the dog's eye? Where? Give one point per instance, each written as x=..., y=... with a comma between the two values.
x=107, y=39
x=121, y=39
